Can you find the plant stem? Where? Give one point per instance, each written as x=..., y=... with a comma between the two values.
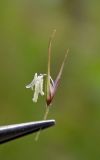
x=44, y=118
x=46, y=113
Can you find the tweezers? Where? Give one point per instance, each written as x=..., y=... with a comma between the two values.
x=14, y=131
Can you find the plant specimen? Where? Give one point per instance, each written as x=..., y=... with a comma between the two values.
x=51, y=85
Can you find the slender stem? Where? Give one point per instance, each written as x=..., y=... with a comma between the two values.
x=44, y=118
x=46, y=113
x=37, y=135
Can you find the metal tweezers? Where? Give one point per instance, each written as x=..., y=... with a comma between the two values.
x=14, y=131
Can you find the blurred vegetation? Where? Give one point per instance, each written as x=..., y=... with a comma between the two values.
x=25, y=27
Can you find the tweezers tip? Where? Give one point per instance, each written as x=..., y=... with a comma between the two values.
x=11, y=132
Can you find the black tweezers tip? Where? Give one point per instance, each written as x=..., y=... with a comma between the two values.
x=10, y=132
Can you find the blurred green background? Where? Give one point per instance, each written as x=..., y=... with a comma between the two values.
x=25, y=27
